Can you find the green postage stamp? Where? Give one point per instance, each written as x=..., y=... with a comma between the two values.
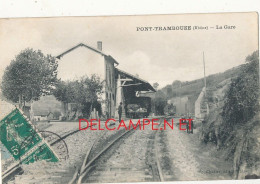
x=21, y=139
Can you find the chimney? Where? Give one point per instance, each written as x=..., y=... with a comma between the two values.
x=99, y=45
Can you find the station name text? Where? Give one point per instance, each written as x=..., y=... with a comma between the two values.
x=183, y=28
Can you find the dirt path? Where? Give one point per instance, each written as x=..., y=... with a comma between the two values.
x=193, y=160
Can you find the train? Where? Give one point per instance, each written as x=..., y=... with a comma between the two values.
x=138, y=108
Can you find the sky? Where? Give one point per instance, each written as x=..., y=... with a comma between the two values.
x=156, y=56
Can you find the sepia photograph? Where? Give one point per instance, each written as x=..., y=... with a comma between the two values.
x=120, y=99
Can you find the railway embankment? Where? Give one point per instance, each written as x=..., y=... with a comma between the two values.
x=233, y=124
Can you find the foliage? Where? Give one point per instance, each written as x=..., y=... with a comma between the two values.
x=56, y=114
x=176, y=84
x=193, y=88
x=30, y=75
x=159, y=102
x=241, y=115
x=84, y=92
x=93, y=88
x=155, y=85
x=234, y=124
x=241, y=102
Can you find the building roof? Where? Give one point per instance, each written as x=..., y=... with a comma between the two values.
x=88, y=47
x=144, y=85
x=140, y=84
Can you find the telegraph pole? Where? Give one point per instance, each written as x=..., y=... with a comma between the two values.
x=205, y=84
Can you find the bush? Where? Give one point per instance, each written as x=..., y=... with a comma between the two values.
x=241, y=117
x=241, y=103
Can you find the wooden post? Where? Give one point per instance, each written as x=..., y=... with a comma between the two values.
x=205, y=84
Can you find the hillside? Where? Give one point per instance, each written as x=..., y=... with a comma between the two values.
x=46, y=104
x=193, y=88
x=233, y=123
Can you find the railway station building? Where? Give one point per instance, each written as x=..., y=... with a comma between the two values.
x=118, y=85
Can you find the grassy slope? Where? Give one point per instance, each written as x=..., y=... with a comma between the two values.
x=241, y=144
x=232, y=126
x=193, y=88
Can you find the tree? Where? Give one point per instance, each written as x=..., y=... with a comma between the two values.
x=169, y=92
x=61, y=91
x=176, y=84
x=159, y=102
x=94, y=88
x=241, y=102
x=56, y=114
x=30, y=75
x=238, y=133
x=84, y=92
x=155, y=85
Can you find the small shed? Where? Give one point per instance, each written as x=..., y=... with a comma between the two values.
x=43, y=116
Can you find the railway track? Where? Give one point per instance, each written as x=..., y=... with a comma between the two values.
x=158, y=162
x=88, y=164
x=165, y=168
x=94, y=161
x=17, y=169
x=99, y=151
x=154, y=159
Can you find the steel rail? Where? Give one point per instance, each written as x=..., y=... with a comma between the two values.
x=90, y=163
x=78, y=171
x=14, y=168
x=158, y=163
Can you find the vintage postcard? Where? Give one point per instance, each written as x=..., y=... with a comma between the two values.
x=130, y=98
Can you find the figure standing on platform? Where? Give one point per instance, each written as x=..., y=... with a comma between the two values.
x=192, y=126
x=120, y=111
x=187, y=125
